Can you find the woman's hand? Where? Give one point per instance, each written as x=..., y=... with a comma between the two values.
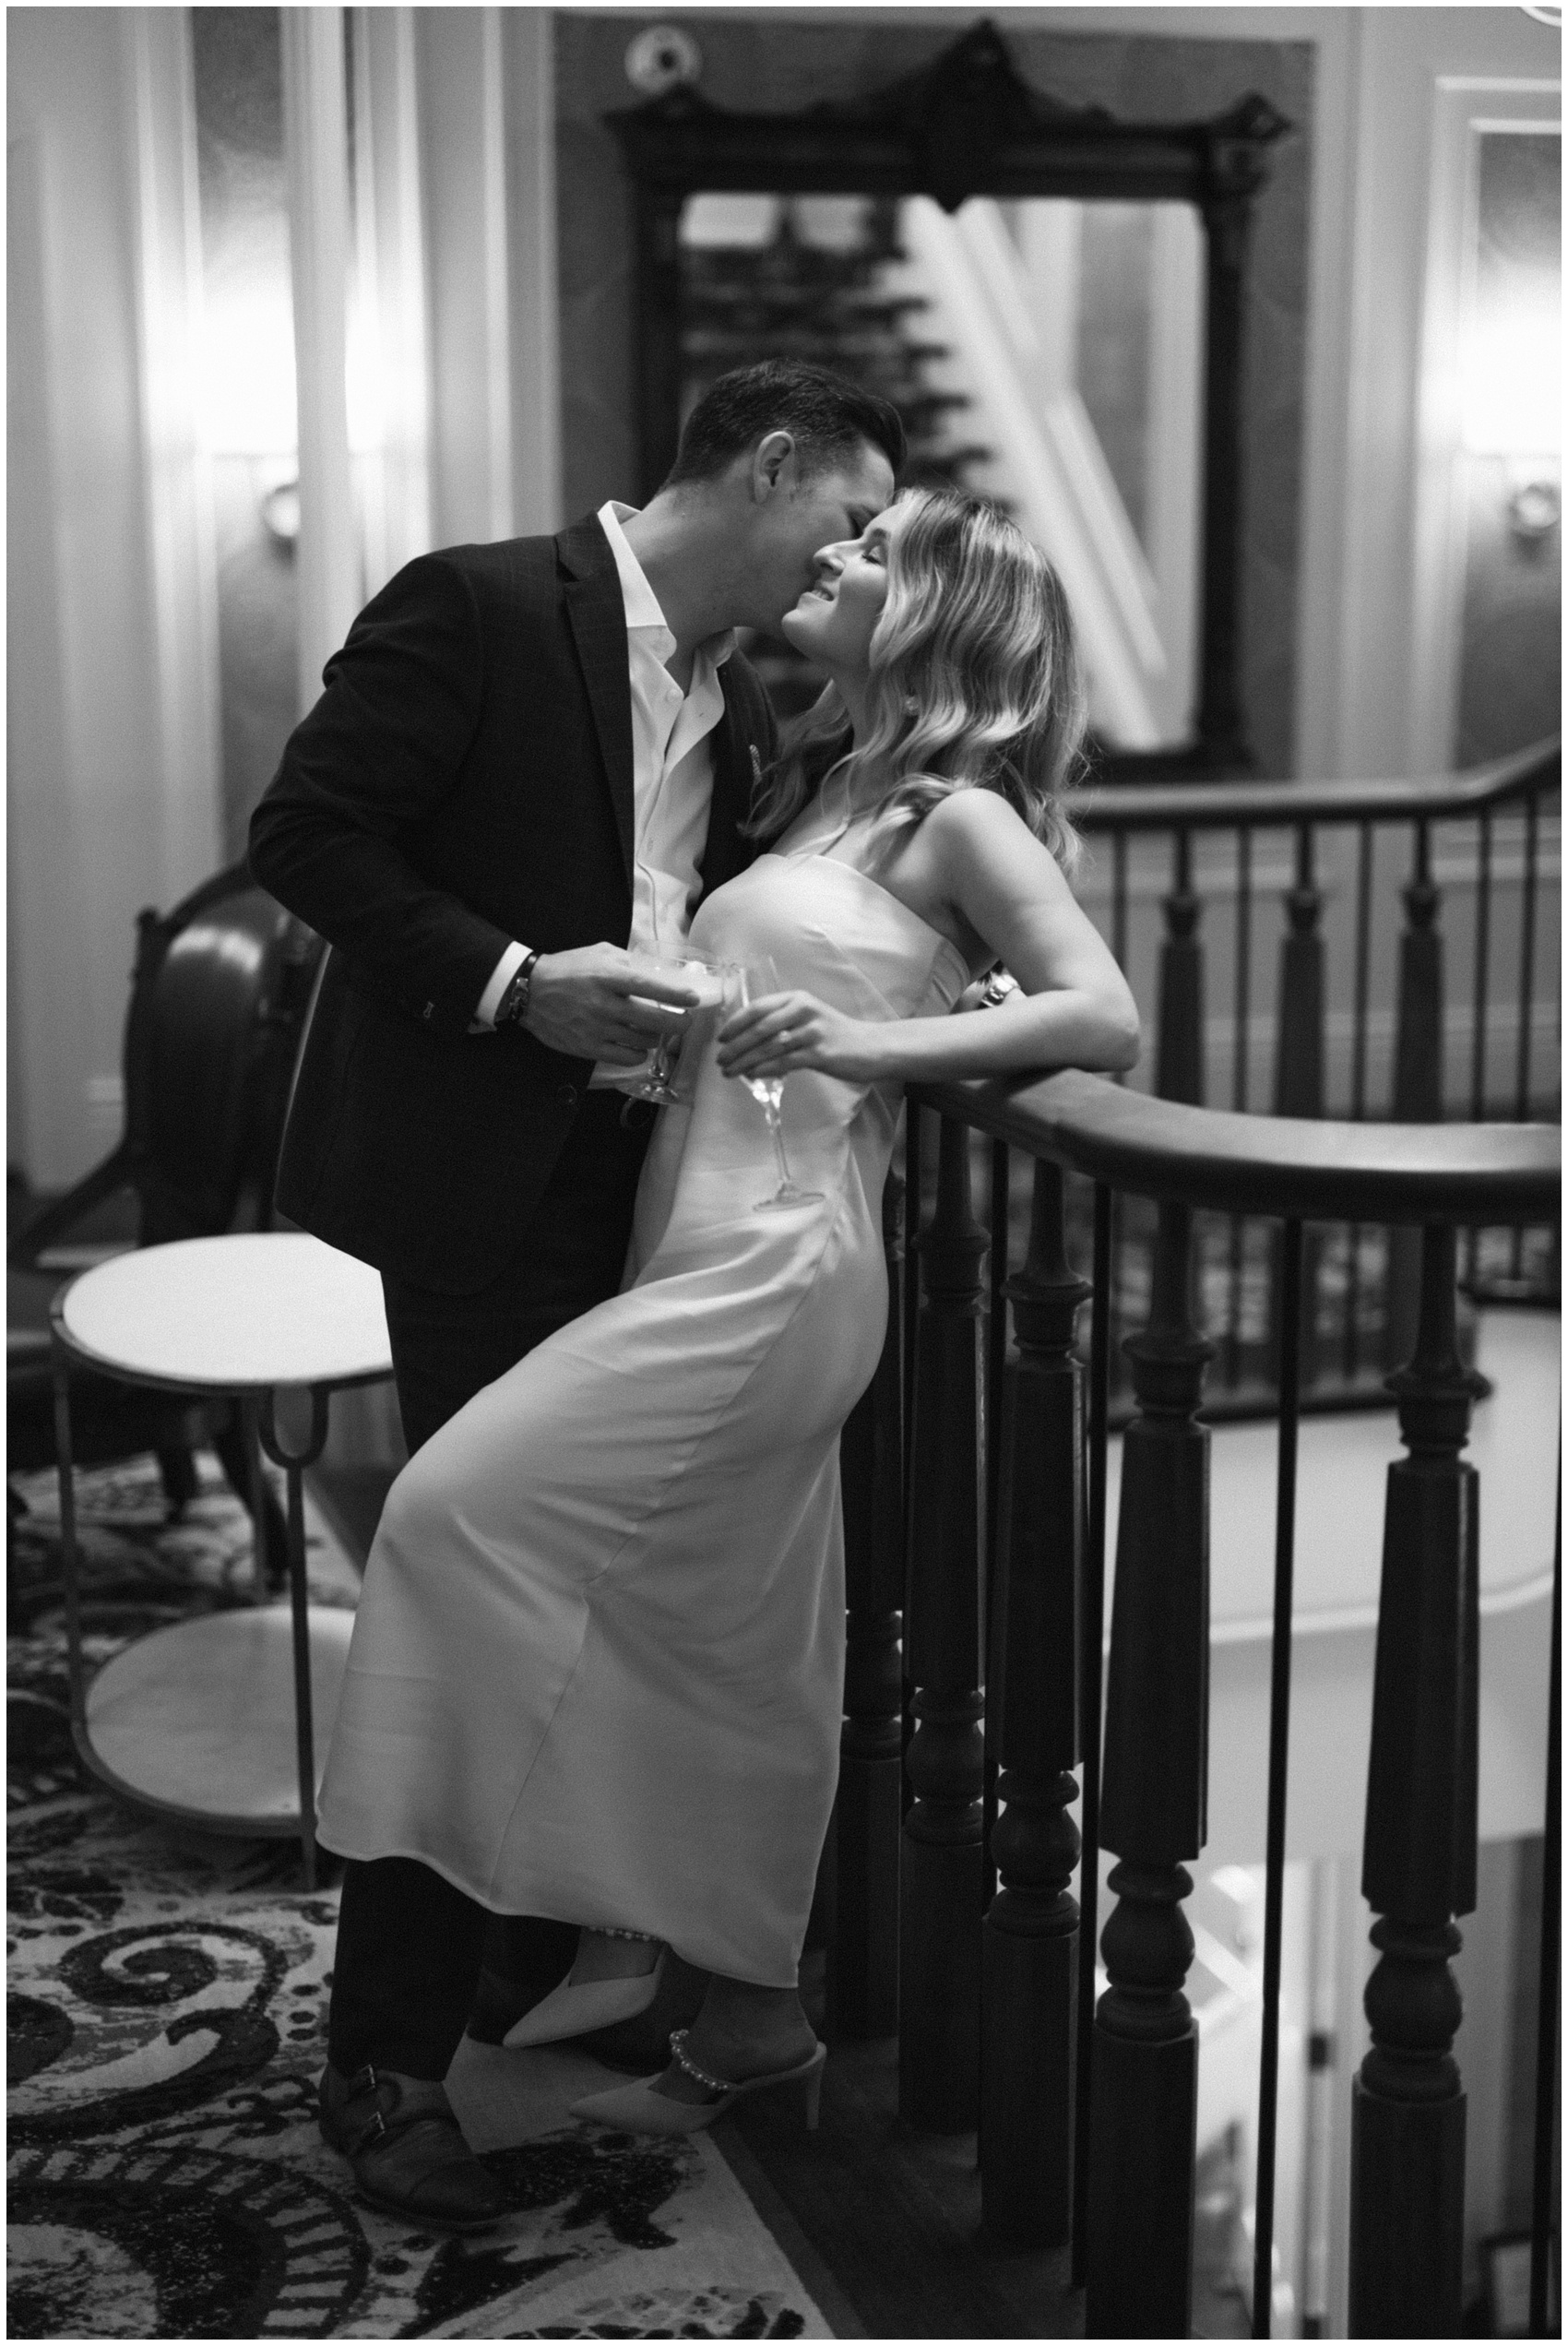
x=780, y=1032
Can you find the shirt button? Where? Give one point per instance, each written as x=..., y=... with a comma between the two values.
x=567, y=1095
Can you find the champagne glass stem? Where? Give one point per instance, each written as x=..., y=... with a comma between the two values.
x=776, y=1127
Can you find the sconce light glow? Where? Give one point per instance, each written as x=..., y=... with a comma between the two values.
x=363, y=375
x=1512, y=386
x=248, y=402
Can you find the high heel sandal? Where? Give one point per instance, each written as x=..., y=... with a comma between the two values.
x=577, y=2010
x=639, y=2110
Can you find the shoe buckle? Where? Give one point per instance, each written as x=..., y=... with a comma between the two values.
x=366, y=2081
x=372, y=2131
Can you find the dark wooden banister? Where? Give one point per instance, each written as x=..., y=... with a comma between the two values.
x=1213, y=806
x=1088, y=2106
x=1298, y=1168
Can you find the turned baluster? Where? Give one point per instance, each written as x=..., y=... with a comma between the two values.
x=942, y=1866
x=1417, y=1076
x=1298, y=1067
x=865, y=1952
x=1031, y=1925
x=1299, y=1063
x=1142, y=2125
x=1178, y=1062
x=1418, y=1859
x=1418, y=1048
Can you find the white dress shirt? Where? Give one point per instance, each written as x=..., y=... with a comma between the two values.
x=672, y=777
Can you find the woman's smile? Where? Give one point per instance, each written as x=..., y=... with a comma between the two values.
x=838, y=613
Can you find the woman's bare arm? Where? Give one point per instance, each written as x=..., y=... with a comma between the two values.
x=994, y=884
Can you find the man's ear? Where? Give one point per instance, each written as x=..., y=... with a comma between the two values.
x=776, y=467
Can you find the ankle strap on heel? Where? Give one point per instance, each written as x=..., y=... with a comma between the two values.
x=684, y=2060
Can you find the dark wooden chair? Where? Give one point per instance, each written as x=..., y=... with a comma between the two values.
x=220, y=994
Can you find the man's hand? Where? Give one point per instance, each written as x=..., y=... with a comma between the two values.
x=603, y=1003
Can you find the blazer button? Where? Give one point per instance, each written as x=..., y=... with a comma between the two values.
x=567, y=1095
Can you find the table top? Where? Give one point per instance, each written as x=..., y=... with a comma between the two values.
x=256, y=1309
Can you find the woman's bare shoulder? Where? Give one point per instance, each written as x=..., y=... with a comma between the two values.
x=976, y=821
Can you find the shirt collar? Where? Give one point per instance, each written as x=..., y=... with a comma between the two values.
x=642, y=604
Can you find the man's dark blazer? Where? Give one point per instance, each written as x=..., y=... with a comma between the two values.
x=464, y=779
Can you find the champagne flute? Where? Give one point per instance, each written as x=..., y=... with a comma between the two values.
x=747, y=985
x=656, y=1080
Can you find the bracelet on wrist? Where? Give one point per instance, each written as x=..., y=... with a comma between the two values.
x=513, y=1006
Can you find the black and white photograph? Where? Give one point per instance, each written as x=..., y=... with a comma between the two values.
x=784, y=1173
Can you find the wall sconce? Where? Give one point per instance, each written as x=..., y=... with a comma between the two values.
x=247, y=397
x=280, y=510
x=1512, y=408
x=1535, y=508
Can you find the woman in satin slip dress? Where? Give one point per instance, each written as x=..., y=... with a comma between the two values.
x=597, y=1669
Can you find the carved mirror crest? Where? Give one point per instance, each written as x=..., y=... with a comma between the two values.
x=1053, y=298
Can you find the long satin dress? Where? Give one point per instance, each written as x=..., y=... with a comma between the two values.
x=596, y=1669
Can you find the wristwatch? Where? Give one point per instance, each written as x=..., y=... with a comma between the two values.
x=513, y=1006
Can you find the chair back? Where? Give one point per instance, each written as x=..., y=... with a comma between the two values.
x=219, y=1002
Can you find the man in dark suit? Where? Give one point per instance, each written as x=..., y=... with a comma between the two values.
x=529, y=762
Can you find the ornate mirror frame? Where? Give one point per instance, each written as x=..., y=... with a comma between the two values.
x=966, y=124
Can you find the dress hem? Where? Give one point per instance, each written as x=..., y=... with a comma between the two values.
x=540, y=1911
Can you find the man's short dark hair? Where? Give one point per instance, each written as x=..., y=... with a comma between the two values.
x=827, y=417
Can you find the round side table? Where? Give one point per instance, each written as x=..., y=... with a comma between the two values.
x=190, y=1721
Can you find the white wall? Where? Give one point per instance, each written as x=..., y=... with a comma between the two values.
x=112, y=626
x=1370, y=663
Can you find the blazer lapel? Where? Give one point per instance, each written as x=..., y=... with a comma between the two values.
x=597, y=611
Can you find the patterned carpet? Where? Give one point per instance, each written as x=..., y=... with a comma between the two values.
x=165, y=2022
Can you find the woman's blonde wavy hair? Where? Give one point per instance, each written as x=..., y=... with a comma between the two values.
x=975, y=685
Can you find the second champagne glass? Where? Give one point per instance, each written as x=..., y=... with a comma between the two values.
x=758, y=978
x=656, y=1079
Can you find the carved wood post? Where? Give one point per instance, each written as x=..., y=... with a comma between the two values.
x=864, y=1961
x=942, y=1874
x=1418, y=1077
x=659, y=331
x=1233, y=169
x=1418, y=1861
x=1031, y=1925
x=1143, y=2127
x=1179, y=1066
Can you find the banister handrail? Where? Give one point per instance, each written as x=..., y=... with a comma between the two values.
x=1166, y=806
x=1299, y=1168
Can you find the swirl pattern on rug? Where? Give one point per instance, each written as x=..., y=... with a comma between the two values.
x=165, y=2030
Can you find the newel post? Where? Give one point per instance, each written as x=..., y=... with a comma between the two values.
x=1031, y=1925
x=942, y=1871
x=1419, y=1861
x=864, y=1961
x=1142, y=2125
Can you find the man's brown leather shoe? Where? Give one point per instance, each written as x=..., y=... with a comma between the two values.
x=402, y=2139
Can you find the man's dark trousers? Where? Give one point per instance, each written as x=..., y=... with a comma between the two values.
x=409, y=1945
